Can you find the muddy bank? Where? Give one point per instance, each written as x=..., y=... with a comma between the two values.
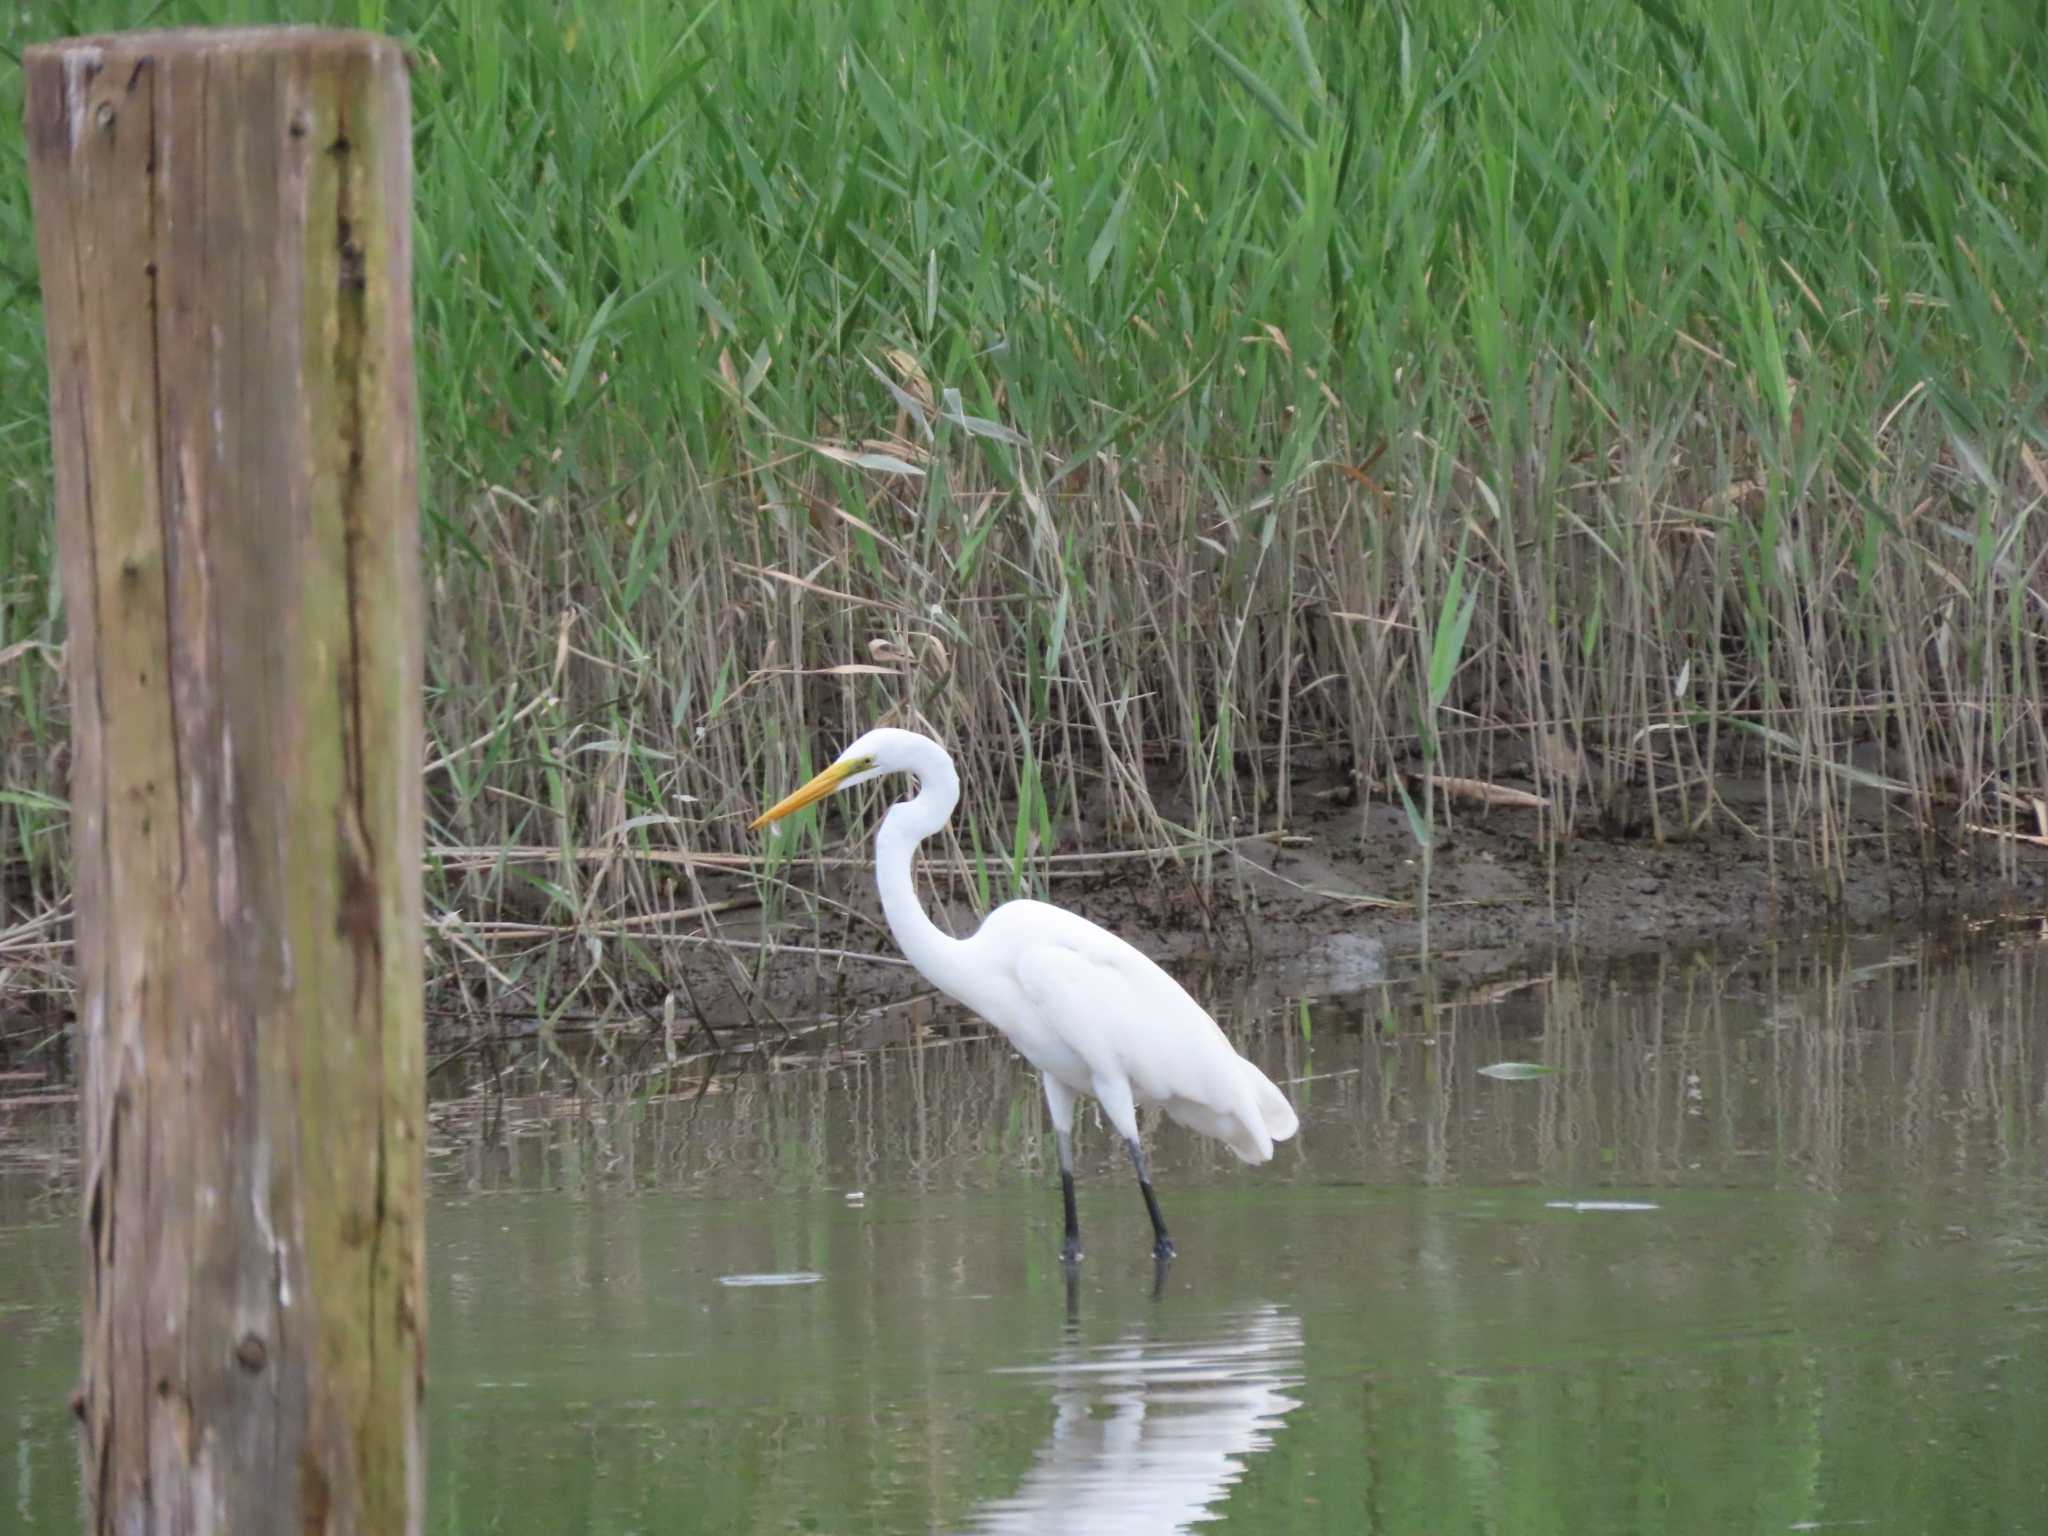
x=1331, y=907
x=1496, y=886
x=1335, y=904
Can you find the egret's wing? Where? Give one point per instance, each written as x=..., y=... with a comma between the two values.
x=1089, y=1007
x=1101, y=1003
x=1127, y=1019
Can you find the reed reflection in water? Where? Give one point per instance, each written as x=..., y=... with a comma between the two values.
x=1906, y=1062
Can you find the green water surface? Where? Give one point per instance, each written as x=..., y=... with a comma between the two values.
x=1833, y=1313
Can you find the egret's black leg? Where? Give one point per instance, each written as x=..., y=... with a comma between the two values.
x=1161, y=1263
x=1070, y=1250
x=1162, y=1245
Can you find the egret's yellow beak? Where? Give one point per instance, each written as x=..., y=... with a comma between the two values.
x=816, y=790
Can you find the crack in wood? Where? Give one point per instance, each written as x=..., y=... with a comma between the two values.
x=361, y=914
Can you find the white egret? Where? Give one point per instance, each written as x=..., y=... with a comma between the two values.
x=1090, y=1012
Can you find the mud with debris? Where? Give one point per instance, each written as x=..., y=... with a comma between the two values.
x=1334, y=904
x=1331, y=906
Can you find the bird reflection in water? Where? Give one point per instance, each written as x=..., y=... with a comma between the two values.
x=1148, y=1435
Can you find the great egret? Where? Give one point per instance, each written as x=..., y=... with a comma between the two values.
x=1091, y=1013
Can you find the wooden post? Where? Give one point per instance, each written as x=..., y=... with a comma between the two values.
x=223, y=227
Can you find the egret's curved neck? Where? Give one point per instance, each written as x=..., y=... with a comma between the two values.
x=909, y=823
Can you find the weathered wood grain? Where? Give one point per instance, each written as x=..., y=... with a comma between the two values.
x=223, y=226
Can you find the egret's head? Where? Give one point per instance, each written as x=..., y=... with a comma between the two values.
x=882, y=750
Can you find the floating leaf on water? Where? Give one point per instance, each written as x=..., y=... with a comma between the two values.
x=1515, y=1071
x=1601, y=1205
x=789, y=1277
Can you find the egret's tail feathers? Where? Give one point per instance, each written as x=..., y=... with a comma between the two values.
x=1234, y=1127
x=1260, y=1116
x=1279, y=1116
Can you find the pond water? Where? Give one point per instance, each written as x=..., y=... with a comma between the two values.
x=1766, y=1249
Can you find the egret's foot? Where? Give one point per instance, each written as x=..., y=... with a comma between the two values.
x=1070, y=1251
x=1162, y=1246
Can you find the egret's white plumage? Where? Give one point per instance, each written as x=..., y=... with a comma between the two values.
x=1090, y=1012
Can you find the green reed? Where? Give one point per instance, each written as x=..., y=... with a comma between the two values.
x=1125, y=390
